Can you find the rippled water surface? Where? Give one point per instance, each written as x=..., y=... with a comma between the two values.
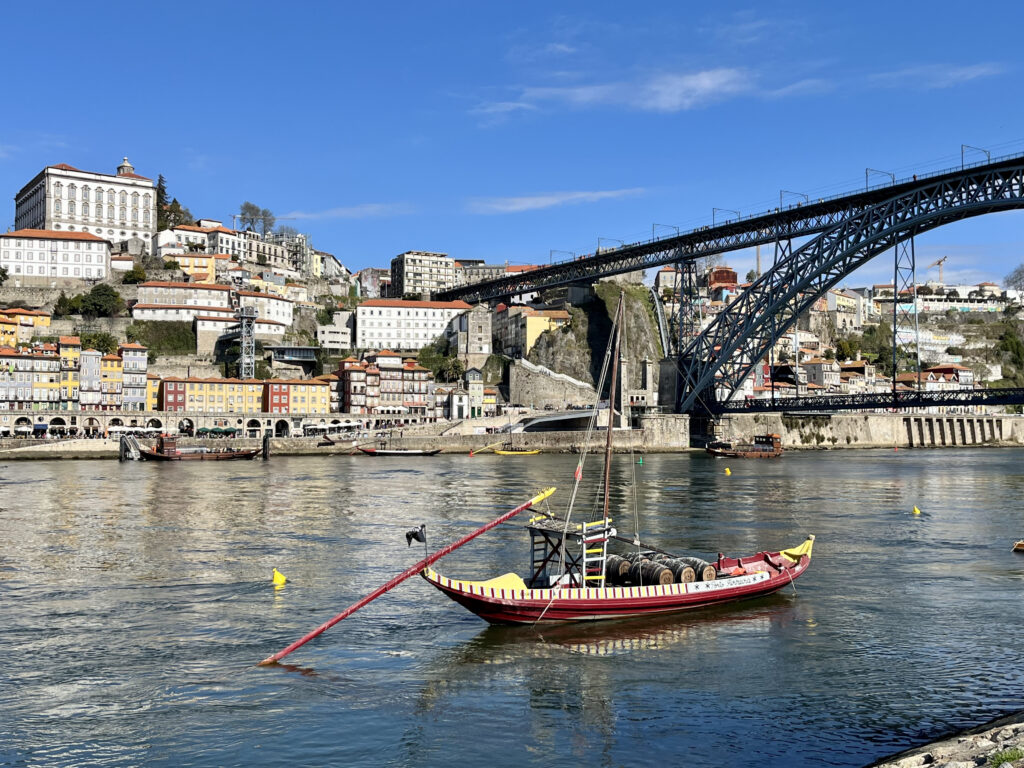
x=135, y=600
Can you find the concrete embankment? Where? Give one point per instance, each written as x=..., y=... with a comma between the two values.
x=1000, y=742
x=658, y=434
x=879, y=430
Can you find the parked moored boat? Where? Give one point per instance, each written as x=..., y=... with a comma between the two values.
x=764, y=447
x=166, y=449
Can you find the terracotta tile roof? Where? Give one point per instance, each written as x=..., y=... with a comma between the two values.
x=20, y=311
x=184, y=306
x=131, y=345
x=70, y=341
x=165, y=284
x=65, y=167
x=205, y=230
x=264, y=295
x=400, y=303
x=521, y=267
x=49, y=234
x=111, y=357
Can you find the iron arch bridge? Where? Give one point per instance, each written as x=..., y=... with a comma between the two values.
x=718, y=360
x=784, y=223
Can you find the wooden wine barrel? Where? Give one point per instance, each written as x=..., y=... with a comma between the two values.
x=705, y=570
x=634, y=556
x=645, y=572
x=616, y=569
x=682, y=572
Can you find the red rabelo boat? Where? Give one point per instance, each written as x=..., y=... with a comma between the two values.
x=574, y=575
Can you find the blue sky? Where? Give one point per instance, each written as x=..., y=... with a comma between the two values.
x=503, y=131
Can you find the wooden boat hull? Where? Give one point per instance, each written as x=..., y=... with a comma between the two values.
x=517, y=453
x=766, y=573
x=148, y=454
x=1019, y=546
x=398, y=452
x=729, y=453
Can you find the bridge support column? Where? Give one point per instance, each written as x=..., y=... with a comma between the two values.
x=906, y=349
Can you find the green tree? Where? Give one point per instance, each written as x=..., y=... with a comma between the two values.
x=325, y=315
x=3, y=275
x=64, y=306
x=177, y=214
x=172, y=264
x=1015, y=279
x=196, y=248
x=261, y=259
x=751, y=275
x=102, y=301
x=251, y=216
x=100, y=340
x=134, y=276
x=161, y=202
x=452, y=369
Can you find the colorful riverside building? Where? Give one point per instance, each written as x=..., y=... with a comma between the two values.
x=111, y=382
x=70, y=349
x=211, y=395
x=30, y=378
x=296, y=396
x=29, y=322
x=89, y=379
x=152, y=392
x=134, y=361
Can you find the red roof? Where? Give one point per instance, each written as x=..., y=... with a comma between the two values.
x=197, y=286
x=264, y=295
x=521, y=267
x=182, y=306
x=70, y=341
x=131, y=345
x=49, y=234
x=399, y=303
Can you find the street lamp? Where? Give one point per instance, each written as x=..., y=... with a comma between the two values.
x=609, y=239
x=667, y=226
x=795, y=194
x=868, y=171
x=988, y=155
x=723, y=210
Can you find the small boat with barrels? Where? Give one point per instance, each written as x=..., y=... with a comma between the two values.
x=166, y=449
x=764, y=447
x=1018, y=546
x=574, y=575
x=399, y=451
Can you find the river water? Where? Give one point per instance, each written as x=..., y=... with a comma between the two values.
x=135, y=601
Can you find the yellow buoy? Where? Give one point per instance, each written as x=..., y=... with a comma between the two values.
x=728, y=471
x=917, y=511
x=279, y=579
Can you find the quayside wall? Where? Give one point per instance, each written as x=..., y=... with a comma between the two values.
x=878, y=430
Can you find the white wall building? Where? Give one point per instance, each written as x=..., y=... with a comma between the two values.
x=46, y=254
x=337, y=336
x=403, y=325
x=419, y=272
x=65, y=199
x=268, y=306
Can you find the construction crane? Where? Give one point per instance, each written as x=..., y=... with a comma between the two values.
x=939, y=264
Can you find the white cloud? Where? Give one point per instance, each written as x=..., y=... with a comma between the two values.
x=561, y=48
x=488, y=205
x=808, y=86
x=668, y=92
x=503, y=108
x=934, y=76
x=364, y=211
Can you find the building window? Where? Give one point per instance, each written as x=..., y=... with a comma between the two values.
x=56, y=206
x=124, y=214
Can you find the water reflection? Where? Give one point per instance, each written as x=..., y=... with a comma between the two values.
x=137, y=598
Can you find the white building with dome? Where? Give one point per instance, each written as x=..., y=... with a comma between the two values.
x=65, y=199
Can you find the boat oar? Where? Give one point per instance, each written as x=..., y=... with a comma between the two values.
x=486, y=448
x=407, y=573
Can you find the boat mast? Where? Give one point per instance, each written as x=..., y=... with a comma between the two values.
x=611, y=407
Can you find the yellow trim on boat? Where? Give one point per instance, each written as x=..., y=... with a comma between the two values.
x=543, y=495
x=797, y=552
x=505, y=581
x=517, y=453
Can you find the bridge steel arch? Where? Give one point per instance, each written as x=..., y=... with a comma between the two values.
x=804, y=219
x=724, y=354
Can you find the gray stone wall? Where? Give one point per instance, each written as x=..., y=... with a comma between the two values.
x=537, y=389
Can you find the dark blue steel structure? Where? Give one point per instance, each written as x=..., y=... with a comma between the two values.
x=844, y=232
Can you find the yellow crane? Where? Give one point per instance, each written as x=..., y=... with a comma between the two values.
x=939, y=264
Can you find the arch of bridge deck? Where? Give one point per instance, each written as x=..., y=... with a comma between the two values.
x=879, y=241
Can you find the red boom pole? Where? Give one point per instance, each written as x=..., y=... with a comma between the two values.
x=409, y=572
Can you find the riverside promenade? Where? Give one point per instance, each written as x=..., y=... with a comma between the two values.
x=999, y=742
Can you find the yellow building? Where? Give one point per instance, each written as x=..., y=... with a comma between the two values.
x=70, y=349
x=30, y=378
x=211, y=395
x=297, y=396
x=200, y=267
x=536, y=322
x=152, y=391
x=111, y=382
x=31, y=322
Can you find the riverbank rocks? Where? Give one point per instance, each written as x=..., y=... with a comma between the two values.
x=998, y=743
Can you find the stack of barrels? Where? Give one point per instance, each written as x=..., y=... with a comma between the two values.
x=636, y=569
